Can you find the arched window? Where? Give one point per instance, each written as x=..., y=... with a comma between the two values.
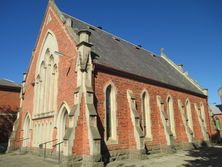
x=189, y=114
x=26, y=128
x=62, y=122
x=146, y=121
x=110, y=121
x=45, y=90
x=170, y=112
x=46, y=77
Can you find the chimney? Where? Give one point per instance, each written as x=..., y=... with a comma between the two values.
x=220, y=93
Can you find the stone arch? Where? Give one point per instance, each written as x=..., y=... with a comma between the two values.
x=110, y=106
x=26, y=130
x=62, y=121
x=50, y=45
x=45, y=91
x=47, y=55
x=146, y=114
x=51, y=59
x=170, y=112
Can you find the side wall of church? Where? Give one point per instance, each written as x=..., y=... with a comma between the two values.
x=125, y=132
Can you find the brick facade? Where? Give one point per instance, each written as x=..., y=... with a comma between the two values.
x=125, y=133
x=9, y=106
x=68, y=84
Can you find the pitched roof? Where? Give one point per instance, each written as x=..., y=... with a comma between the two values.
x=8, y=83
x=122, y=55
x=219, y=106
x=215, y=109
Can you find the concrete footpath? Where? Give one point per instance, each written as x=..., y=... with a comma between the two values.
x=205, y=157
x=209, y=157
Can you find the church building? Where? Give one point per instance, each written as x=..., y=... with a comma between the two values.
x=91, y=97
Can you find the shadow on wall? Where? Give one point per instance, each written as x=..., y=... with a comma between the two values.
x=206, y=156
x=104, y=149
x=7, y=118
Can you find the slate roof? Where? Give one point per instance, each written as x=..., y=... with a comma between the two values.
x=215, y=109
x=219, y=106
x=8, y=83
x=124, y=56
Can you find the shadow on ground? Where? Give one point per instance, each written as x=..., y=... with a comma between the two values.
x=207, y=156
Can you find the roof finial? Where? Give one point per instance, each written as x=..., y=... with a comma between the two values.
x=162, y=52
x=52, y=1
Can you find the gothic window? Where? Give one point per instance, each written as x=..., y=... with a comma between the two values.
x=46, y=75
x=46, y=85
x=63, y=122
x=146, y=121
x=110, y=120
x=26, y=128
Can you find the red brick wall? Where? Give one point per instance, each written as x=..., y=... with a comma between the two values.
x=9, y=99
x=67, y=84
x=9, y=103
x=66, y=67
x=124, y=127
x=81, y=143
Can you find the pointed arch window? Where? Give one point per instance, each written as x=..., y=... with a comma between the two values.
x=146, y=121
x=26, y=128
x=46, y=76
x=110, y=107
x=46, y=82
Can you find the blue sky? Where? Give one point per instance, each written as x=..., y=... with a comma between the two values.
x=190, y=31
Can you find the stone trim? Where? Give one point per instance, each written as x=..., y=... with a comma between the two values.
x=84, y=69
x=202, y=121
x=185, y=120
x=114, y=122
x=171, y=114
x=165, y=121
x=146, y=114
x=138, y=132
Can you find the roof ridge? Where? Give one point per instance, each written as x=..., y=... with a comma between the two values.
x=5, y=79
x=185, y=74
x=109, y=33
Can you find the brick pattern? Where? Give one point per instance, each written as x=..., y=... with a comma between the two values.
x=9, y=103
x=66, y=68
x=9, y=99
x=67, y=84
x=124, y=125
x=81, y=143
